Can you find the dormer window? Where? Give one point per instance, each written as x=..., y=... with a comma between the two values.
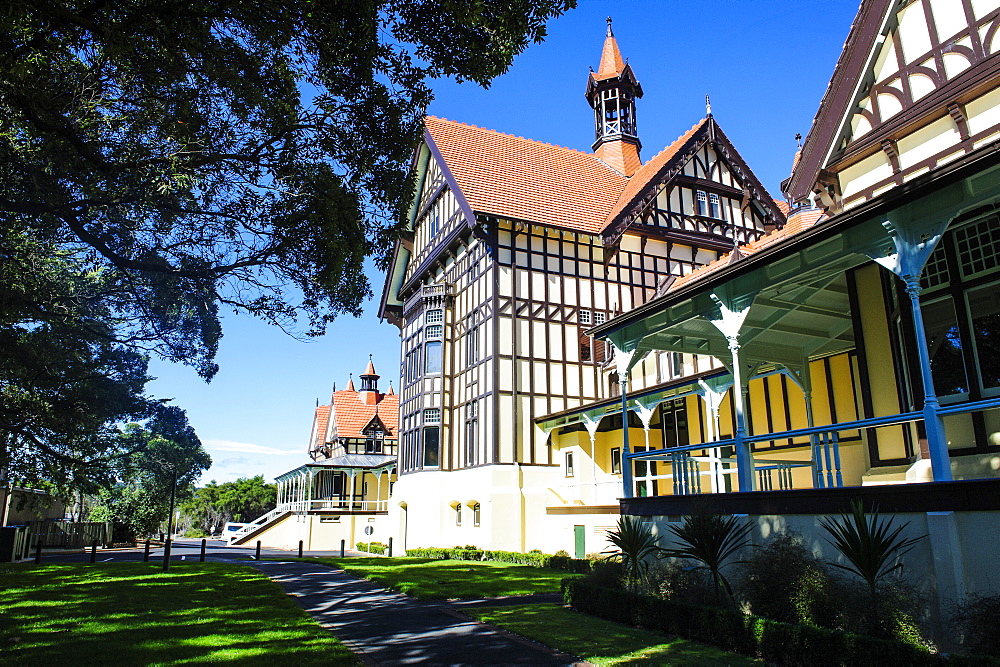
x=715, y=206
x=702, y=205
x=374, y=440
x=708, y=205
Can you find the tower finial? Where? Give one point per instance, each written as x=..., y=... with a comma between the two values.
x=610, y=34
x=708, y=106
x=798, y=139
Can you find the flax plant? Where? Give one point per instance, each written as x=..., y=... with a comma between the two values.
x=634, y=544
x=869, y=543
x=710, y=539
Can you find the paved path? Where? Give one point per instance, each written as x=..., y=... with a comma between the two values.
x=390, y=628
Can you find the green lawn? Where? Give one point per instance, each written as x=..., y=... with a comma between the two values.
x=135, y=614
x=601, y=642
x=430, y=579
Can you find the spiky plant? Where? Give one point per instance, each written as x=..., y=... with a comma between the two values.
x=634, y=545
x=871, y=545
x=710, y=539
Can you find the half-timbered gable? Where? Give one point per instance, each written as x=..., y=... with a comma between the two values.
x=917, y=87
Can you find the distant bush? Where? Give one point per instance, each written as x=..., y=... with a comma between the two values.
x=376, y=548
x=534, y=558
x=195, y=533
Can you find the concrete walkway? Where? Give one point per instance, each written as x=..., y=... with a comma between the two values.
x=387, y=628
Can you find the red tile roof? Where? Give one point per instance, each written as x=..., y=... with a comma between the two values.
x=649, y=170
x=351, y=416
x=797, y=223
x=321, y=420
x=509, y=176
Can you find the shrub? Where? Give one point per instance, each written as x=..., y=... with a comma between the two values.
x=784, y=581
x=195, y=533
x=674, y=581
x=376, y=548
x=975, y=622
x=771, y=641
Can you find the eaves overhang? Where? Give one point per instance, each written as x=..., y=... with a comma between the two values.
x=978, y=161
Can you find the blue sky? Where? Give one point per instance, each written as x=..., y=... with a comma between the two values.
x=765, y=64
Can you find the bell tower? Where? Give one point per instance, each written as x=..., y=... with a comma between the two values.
x=611, y=92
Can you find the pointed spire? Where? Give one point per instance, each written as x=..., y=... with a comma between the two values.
x=391, y=392
x=350, y=383
x=611, y=58
x=370, y=370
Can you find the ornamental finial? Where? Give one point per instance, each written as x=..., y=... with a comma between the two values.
x=708, y=106
x=610, y=34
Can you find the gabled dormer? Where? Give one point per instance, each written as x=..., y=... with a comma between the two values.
x=698, y=192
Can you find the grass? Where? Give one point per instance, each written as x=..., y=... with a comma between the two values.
x=601, y=642
x=434, y=579
x=133, y=613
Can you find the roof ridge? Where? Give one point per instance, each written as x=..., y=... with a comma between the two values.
x=513, y=136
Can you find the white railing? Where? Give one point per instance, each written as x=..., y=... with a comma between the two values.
x=306, y=506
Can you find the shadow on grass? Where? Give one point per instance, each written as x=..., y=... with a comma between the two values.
x=431, y=579
x=133, y=613
x=599, y=641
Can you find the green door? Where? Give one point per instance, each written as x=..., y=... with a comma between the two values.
x=580, y=542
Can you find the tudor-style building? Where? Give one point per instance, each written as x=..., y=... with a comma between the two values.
x=516, y=249
x=860, y=351
x=348, y=482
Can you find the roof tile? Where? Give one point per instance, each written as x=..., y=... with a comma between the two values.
x=351, y=416
x=513, y=177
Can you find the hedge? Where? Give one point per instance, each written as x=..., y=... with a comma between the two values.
x=376, y=548
x=771, y=641
x=533, y=559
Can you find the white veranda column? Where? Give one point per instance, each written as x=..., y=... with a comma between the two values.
x=729, y=322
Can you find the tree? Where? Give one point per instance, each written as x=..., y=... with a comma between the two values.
x=231, y=152
x=164, y=454
x=212, y=505
x=162, y=160
x=65, y=381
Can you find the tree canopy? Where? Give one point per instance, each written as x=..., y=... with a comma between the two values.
x=211, y=506
x=165, y=453
x=162, y=160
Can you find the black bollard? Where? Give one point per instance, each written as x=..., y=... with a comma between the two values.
x=300, y=548
x=93, y=551
x=258, y=550
x=390, y=547
x=342, y=542
x=145, y=554
x=166, y=555
x=38, y=550
x=201, y=558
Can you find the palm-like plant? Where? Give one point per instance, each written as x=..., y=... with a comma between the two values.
x=634, y=544
x=710, y=539
x=869, y=543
